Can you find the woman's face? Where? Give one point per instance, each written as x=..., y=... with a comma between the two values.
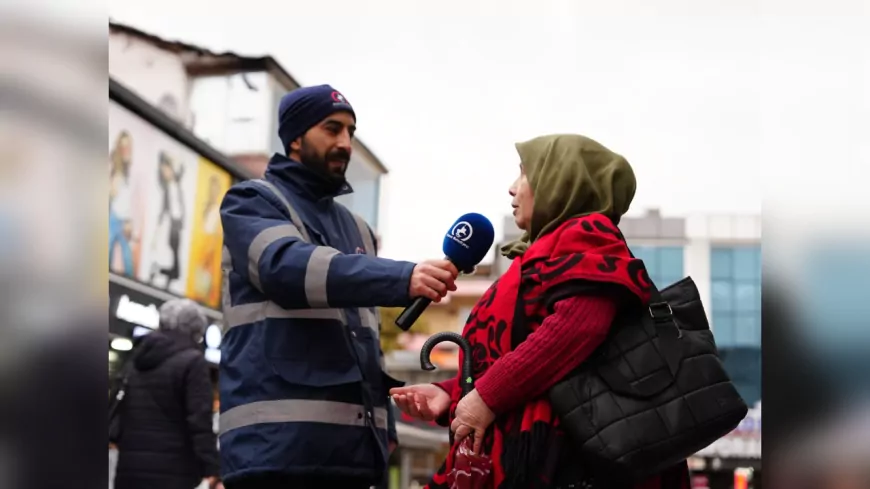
x=523, y=201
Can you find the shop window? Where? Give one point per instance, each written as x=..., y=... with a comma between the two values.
x=664, y=264
x=735, y=309
x=735, y=291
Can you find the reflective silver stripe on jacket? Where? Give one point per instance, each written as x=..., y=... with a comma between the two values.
x=261, y=242
x=226, y=300
x=259, y=311
x=294, y=216
x=368, y=316
x=366, y=234
x=316, y=274
x=298, y=411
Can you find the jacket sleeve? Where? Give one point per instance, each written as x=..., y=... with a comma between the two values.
x=198, y=402
x=268, y=251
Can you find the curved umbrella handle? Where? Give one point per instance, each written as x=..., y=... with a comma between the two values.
x=426, y=351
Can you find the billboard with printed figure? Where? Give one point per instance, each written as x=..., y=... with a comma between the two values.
x=129, y=140
x=204, y=277
x=164, y=225
x=171, y=188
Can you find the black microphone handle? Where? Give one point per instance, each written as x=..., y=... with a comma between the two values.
x=411, y=313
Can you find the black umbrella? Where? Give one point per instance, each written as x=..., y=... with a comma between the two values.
x=426, y=351
x=470, y=470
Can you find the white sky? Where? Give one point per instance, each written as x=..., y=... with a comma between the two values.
x=697, y=97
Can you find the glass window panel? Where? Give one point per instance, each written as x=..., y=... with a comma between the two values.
x=723, y=330
x=720, y=263
x=750, y=391
x=746, y=297
x=747, y=263
x=747, y=330
x=641, y=251
x=722, y=294
x=671, y=261
x=743, y=365
x=649, y=258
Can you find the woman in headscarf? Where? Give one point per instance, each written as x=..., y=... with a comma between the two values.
x=575, y=272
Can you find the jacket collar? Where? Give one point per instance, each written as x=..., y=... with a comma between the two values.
x=304, y=180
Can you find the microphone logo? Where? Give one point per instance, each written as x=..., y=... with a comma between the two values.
x=461, y=233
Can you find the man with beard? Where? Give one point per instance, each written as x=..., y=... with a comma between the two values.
x=304, y=398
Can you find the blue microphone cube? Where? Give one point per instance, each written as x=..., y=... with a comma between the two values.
x=468, y=241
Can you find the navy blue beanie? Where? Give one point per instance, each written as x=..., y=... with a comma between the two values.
x=303, y=108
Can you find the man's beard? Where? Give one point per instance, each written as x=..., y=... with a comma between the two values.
x=326, y=165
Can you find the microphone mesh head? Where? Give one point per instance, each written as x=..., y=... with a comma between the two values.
x=468, y=241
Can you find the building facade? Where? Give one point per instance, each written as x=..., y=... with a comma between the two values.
x=228, y=101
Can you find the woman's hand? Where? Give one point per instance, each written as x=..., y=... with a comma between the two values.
x=473, y=417
x=422, y=401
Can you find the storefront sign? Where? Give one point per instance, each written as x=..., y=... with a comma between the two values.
x=133, y=313
x=136, y=313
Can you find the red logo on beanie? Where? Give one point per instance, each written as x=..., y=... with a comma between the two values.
x=337, y=97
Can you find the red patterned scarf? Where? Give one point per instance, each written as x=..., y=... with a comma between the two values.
x=525, y=444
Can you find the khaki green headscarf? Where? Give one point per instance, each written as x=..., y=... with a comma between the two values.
x=571, y=176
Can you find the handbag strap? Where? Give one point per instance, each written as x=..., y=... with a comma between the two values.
x=662, y=316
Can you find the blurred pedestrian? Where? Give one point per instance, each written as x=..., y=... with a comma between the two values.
x=303, y=393
x=167, y=439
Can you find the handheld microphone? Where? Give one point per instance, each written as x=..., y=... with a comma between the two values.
x=465, y=244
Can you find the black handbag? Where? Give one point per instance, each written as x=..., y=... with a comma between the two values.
x=652, y=394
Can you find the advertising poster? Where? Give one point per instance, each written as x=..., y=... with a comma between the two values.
x=164, y=221
x=131, y=142
x=204, y=276
x=171, y=186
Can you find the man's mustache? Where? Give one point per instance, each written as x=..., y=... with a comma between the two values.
x=339, y=155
